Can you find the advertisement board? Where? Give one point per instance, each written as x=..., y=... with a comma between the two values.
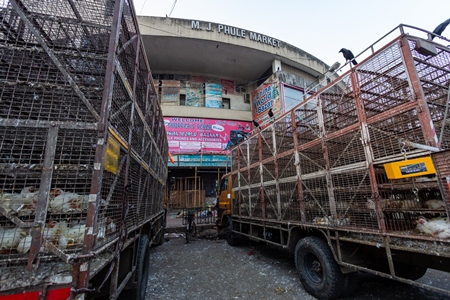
x=194, y=135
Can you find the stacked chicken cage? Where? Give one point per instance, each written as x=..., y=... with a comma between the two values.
x=326, y=162
x=83, y=149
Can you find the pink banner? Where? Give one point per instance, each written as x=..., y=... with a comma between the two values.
x=192, y=135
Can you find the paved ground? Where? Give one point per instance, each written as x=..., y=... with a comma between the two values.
x=211, y=269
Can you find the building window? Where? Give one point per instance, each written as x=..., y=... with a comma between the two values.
x=226, y=103
x=182, y=99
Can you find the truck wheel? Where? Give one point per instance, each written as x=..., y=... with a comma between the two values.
x=142, y=269
x=318, y=271
x=232, y=240
x=407, y=271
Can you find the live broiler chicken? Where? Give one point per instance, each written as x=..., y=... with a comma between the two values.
x=10, y=238
x=68, y=202
x=27, y=198
x=70, y=236
x=52, y=232
x=437, y=227
x=434, y=204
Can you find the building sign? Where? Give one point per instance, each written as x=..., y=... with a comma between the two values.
x=192, y=135
x=237, y=32
x=265, y=97
x=213, y=95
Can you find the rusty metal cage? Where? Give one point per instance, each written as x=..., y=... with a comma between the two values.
x=321, y=163
x=83, y=146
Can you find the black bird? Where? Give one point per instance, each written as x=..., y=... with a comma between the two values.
x=348, y=55
x=440, y=28
x=270, y=113
x=255, y=124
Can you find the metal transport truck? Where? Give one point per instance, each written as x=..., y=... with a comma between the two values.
x=356, y=177
x=83, y=151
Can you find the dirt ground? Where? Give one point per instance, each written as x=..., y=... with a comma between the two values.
x=211, y=269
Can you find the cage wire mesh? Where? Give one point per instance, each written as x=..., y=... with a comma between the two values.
x=52, y=81
x=331, y=140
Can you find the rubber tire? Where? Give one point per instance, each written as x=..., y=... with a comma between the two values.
x=232, y=240
x=142, y=270
x=408, y=271
x=317, y=269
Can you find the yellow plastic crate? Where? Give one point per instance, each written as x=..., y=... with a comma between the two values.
x=410, y=168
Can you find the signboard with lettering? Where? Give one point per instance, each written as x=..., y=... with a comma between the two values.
x=236, y=32
x=191, y=135
x=265, y=97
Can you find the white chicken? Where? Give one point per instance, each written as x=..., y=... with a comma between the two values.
x=437, y=227
x=10, y=238
x=24, y=244
x=27, y=198
x=434, y=204
x=71, y=236
x=68, y=202
x=51, y=233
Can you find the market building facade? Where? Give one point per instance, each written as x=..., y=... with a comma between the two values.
x=214, y=80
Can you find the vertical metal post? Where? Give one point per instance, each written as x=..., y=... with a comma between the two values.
x=359, y=105
x=298, y=169
x=82, y=268
x=423, y=112
x=43, y=196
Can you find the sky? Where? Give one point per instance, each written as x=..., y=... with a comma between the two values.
x=319, y=27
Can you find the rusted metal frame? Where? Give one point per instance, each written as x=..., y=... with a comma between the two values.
x=433, y=83
x=433, y=67
x=365, y=136
x=37, y=233
x=119, y=289
x=388, y=252
x=81, y=267
x=260, y=167
x=381, y=76
x=410, y=282
x=246, y=158
x=47, y=124
x=328, y=177
x=383, y=95
x=8, y=30
x=18, y=222
x=134, y=108
x=16, y=4
x=298, y=168
x=127, y=44
x=382, y=105
x=146, y=126
x=423, y=111
x=64, y=29
x=276, y=171
x=54, y=59
x=120, y=110
x=81, y=21
x=392, y=112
